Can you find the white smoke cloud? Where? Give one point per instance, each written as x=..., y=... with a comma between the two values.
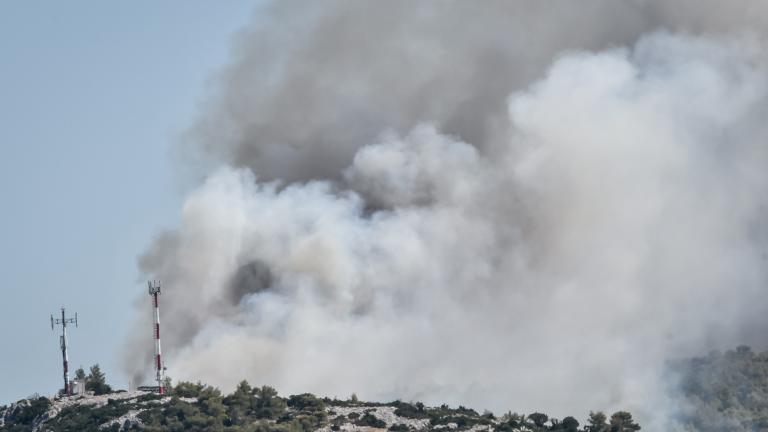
x=620, y=224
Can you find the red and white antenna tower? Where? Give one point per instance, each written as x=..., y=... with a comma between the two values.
x=154, y=292
x=63, y=341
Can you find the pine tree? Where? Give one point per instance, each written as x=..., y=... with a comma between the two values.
x=622, y=422
x=96, y=381
x=80, y=374
x=570, y=424
x=240, y=404
x=597, y=422
x=168, y=384
x=538, y=419
x=268, y=405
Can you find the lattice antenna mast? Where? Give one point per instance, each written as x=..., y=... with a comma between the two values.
x=154, y=292
x=63, y=321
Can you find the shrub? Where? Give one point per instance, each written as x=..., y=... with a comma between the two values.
x=187, y=389
x=570, y=424
x=538, y=419
x=410, y=411
x=306, y=402
x=370, y=420
x=28, y=414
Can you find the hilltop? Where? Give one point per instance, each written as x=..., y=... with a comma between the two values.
x=720, y=392
x=198, y=407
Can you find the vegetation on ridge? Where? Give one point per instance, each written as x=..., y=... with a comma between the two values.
x=199, y=407
x=723, y=392
x=720, y=392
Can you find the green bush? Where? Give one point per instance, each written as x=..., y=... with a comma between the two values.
x=306, y=402
x=410, y=411
x=538, y=419
x=187, y=389
x=23, y=420
x=371, y=420
x=87, y=418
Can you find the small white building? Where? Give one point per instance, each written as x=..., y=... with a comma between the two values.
x=78, y=387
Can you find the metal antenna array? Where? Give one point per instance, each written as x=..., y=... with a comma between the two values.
x=63, y=321
x=154, y=292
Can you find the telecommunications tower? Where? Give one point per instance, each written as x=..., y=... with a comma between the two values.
x=154, y=292
x=63, y=321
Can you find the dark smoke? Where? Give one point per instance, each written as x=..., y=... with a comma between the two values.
x=312, y=83
x=251, y=278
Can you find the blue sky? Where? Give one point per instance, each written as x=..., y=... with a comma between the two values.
x=92, y=96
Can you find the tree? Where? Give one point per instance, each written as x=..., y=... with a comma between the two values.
x=241, y=397
x=513, y=420
x=597, y=422
x=622, y=421
x=168, y=384
x=239, y=404
x=187, y=389
x=371, y=420
x=306, y=402
x=570, y=424
x=744, y=351
x=538, y=419
x=268, y=405
x=407, y=410
x=80, y=374
x=210, y=403
x=96, y=381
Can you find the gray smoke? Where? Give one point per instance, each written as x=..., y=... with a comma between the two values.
x=313, y=82
x=509, y=205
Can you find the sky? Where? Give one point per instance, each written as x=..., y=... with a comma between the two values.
x=93, y=95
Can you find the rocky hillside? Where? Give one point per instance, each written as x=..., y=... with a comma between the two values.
x=196, y=407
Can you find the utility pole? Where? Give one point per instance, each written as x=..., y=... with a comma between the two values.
x=63, y=321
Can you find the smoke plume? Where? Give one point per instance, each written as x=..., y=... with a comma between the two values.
x=508, y=205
